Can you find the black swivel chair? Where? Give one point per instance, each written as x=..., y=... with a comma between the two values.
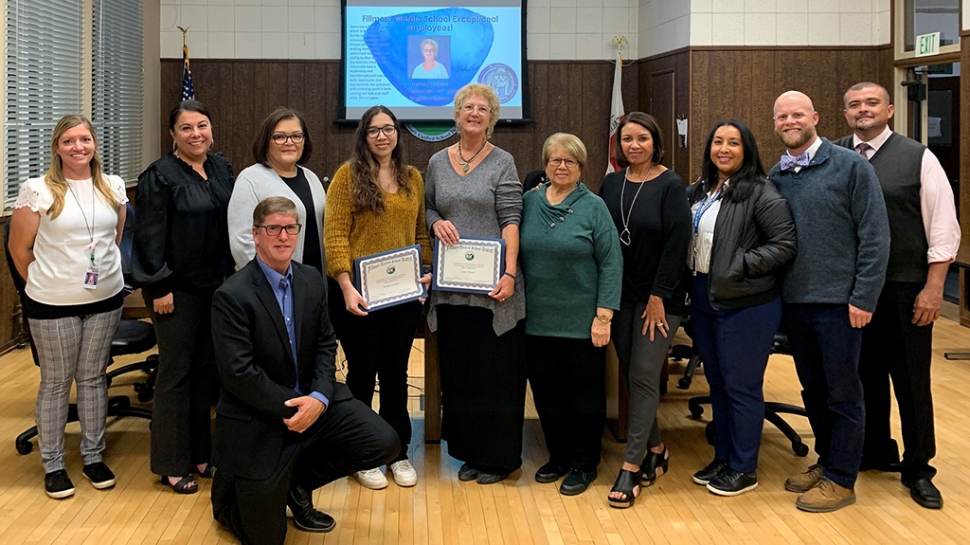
x=132, y=337
x=773, y=409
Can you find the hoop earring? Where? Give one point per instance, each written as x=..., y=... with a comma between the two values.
x=212, y=143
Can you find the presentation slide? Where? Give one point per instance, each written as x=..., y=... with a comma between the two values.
x=413, y=56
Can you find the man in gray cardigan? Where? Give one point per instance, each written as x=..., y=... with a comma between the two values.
x=829, y=293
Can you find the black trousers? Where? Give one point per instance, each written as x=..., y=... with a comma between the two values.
x=378, y=346
x=348, y=437
x=181, y=422
x=895, y=348
x=482, y=388
x=568, y=386
x=826, y=352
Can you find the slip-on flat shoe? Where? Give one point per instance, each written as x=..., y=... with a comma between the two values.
x=924, y=492
x=576, y=482
x=491, y=478
x=551, y=472
x=467, y=473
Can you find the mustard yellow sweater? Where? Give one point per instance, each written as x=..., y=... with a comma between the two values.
x=348, y=235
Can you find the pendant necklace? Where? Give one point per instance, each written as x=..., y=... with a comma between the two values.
x=625, y=237
x=465, y=163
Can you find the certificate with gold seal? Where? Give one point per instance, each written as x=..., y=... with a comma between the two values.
x=472, y=265
x=390, y=278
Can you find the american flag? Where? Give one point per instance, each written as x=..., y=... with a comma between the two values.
x=188, y=90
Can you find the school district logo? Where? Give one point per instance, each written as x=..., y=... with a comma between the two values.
x=502, y=78
x=391, y=269
x=469, y=256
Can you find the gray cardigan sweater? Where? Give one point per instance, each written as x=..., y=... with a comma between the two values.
x=255, y=184
x=479, y=204
x=841, y=226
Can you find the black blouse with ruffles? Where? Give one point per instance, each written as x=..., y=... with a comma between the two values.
x=181, y=231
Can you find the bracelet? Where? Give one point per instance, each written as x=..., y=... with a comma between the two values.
x=509, y=274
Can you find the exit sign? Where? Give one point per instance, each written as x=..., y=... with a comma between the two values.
x=928, y=44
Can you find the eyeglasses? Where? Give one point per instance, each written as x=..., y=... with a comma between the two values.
x=388, y=131
x=570, y=163
x=469, y=108
x=281, y=139
x=275, y=230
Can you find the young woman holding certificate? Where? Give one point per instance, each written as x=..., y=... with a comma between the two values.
x=376, y=204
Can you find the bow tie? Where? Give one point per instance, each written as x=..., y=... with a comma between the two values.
x=788, y=162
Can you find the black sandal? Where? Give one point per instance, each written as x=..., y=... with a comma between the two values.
x=210, y=471
x=184, y=486
x=654, y=465
x=626, y=481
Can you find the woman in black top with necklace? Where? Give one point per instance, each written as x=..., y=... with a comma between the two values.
x=649, y=207
x=181, y=255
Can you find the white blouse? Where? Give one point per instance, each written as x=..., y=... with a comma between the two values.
x=62, y=246
x=699, y=257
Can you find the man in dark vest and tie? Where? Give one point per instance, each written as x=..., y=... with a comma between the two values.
x=897, y=343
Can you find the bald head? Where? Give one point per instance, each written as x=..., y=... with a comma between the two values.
x=795, y=120
x=794, y=98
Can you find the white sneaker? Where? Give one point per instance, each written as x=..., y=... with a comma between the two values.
x=372, y=478
x=404, y=473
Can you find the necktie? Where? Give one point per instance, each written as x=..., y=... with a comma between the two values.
x=863, y=149
x=788, y=162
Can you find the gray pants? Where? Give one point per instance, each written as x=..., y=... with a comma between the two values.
x=74, y=349
x=641, y=362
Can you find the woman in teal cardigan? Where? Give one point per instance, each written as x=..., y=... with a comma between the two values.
x=573, y=267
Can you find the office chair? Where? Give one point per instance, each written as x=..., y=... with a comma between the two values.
x=773, y=409
x=132, y=337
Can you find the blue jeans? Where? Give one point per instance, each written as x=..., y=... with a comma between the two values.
x=734, y=346
x=826, y=351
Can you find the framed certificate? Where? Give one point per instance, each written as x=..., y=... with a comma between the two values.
x=390, y=278
x=473, y=265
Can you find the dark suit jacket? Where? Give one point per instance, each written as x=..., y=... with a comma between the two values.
x=256, y=367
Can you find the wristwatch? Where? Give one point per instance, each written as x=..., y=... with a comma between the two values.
x=604, y=318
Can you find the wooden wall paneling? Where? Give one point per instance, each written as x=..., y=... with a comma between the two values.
x=314, y=90
x=745, y=82
x=678, y=64
x=662, y=96
x=296, y=88
x=597, y=100
x=243, y=125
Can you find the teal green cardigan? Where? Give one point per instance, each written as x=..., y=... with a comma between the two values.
x=571, y=259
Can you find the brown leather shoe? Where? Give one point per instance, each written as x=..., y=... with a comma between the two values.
x=825, y=497
x=803, y=482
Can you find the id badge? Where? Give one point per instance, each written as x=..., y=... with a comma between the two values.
x=91, y=278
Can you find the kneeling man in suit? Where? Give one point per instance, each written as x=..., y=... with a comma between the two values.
x=284, y=425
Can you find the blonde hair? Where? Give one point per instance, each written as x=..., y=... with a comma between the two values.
x=485, y=92
x=569, y=143
x=54, y=178
x=434, y=45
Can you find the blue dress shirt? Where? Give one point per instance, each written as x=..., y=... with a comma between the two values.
x=282, y=285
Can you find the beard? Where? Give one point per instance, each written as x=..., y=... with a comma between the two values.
x=806, y=135
x=865, y=123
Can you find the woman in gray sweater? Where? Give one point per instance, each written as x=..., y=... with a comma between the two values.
x=472, y=190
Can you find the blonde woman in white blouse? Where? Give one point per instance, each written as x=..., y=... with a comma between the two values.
x=64, y=238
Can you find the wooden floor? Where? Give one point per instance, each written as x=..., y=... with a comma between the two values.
x=441, y=510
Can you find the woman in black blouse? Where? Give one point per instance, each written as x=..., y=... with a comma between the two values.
x=181, y=255
x=649, y=207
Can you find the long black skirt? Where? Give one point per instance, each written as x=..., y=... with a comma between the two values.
x=483, y=380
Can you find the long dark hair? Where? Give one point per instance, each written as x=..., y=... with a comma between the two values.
x=744, y=180
x=364, y=169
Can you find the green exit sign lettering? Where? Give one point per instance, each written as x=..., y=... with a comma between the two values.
x=928, y=44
